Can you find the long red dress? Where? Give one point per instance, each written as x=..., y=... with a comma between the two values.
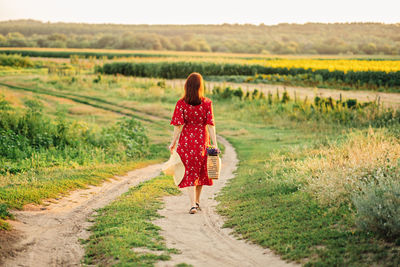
x=193, y=140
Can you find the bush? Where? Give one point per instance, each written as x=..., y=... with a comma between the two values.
x=336, y=171
x=161, y=84
x=378, y=208
x=227, y=93
x=15, y=61
x=4, y=105
x=285, y=97
x=29, y=140
x=130, y=134
x=4, y=214
x=238, y=92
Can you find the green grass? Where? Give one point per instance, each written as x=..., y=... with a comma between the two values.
x=34, y=186
x=90, y=107
x=126, y=224
x=265, y=202
x=4, y=214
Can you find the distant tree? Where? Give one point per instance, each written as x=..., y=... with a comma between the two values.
x=166, y=43
x=218, y=47
x=285, y=39
x=58, y=44
x=107, y=41
x=3, y=40
x=203, y=46
x=190, y=46
x=285, y=48
x=386, y=49
x=57, y=37
x=127, y=41
x=368, y=49
x=42, y=42
x=331, y=46
x=147, y=41
x=57, y=40
x=79, y=41
x=177, y=42
x=16, y=39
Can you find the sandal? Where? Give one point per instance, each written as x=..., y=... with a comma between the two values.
x=198, y=206
x=193, y=210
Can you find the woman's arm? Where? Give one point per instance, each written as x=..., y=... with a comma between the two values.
x=177, y=131
x=211, y=130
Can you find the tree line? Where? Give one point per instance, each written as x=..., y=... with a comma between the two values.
x=309, y=38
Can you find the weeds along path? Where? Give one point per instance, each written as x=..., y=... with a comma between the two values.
x=51, y=237
x=200, y=237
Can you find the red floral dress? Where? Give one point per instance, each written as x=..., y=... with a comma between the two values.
x=193, y=140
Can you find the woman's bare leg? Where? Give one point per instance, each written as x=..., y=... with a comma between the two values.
x=198, y=192
x=191, y=192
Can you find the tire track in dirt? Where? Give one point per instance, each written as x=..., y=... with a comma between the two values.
x=51, y=237
x=200, y=237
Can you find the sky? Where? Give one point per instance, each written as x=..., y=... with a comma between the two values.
x=202, y=11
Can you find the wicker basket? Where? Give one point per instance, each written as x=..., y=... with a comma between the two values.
x=213, y=166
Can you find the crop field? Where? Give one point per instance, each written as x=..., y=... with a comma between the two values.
x=317, y=180
x=377, y=74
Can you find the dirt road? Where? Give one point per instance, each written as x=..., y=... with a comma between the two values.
x=200, y=237
x=51, y=236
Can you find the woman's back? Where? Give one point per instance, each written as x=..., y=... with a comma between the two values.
x=193, y=115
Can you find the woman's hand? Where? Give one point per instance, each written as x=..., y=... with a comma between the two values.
x=171, y=147
x=177, y=131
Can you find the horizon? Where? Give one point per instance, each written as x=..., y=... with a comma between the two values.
x=208, y=24
x=175, y=12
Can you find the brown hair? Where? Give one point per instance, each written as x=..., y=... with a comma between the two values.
x=194, y=89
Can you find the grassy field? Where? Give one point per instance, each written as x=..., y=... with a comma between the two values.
x=275, y=203
x=33, y=173
x=306, y=185
x=303, y=183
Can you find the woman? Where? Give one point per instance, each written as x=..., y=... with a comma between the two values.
x=192, y=115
